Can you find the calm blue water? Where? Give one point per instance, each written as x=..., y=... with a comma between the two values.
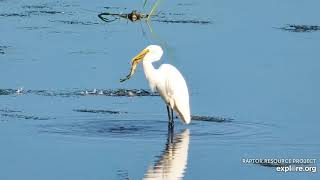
x=240, y=65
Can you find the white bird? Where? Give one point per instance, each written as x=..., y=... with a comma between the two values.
x=167, y=81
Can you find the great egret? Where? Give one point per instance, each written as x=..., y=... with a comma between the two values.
x=166, y=80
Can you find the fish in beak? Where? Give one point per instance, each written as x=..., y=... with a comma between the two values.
x=134, y=62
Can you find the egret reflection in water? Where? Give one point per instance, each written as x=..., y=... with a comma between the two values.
x=172, y=163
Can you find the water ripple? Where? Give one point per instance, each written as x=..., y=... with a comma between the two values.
x=122, y=127
x=34, y=10
x=15, y=114
x=99, y=111
x=42, y=6
x=31, y=13
x=182, y=21
x=75, y=22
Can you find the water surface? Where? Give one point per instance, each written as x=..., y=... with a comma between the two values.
x=243, y=66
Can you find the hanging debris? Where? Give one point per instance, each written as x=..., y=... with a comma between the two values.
x=300, y=28
x=133, y=16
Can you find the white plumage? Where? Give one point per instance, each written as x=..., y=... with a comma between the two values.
x=167, y=80
x=175, y=91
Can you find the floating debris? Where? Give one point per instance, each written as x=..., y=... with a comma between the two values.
x=2, y=49
x=133, y=16
x=137, y=16
x=112, y=7
x=99, y=111
x=20, y=90
x=5, y=92
x=211, y=119
x=300, y=28
x=120, y=92
x=94, y=92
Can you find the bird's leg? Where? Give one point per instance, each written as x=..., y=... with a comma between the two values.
x=170, y=112
x=172, y=121
x=172, y=115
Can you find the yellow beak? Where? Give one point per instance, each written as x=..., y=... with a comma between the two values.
x=134, y=62
x=139, y=57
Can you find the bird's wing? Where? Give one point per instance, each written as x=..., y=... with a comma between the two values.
x=177, y=90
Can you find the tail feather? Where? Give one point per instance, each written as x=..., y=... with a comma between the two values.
x=185, y=117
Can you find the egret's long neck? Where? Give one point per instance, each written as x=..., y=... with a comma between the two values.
x=151, y=74
x=149, y=70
